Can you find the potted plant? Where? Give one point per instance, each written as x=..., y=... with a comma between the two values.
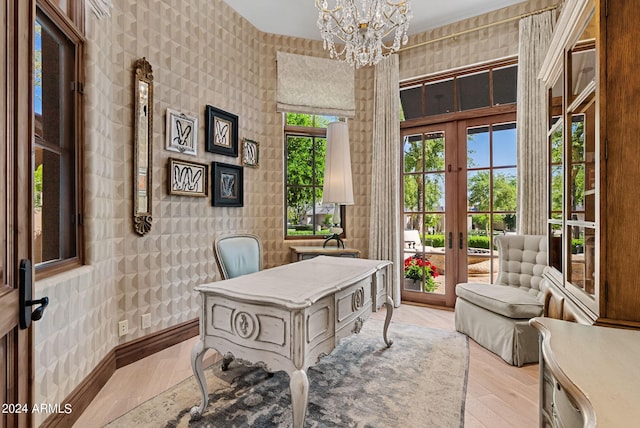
x=418, y=270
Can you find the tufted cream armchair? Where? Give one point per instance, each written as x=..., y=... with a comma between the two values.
x=497, y=315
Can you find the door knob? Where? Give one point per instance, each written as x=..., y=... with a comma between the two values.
x=26, y=283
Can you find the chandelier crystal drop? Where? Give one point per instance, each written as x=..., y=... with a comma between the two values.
x=369, y=29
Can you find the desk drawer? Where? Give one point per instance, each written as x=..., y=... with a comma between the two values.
x=252, y=326
x=353, y=302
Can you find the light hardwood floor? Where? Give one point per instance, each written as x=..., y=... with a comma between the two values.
x=498, y=395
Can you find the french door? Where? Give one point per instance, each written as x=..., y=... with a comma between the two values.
x=15, y=209
x=459, y=191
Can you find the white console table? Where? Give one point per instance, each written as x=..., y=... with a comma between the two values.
x=286, y=318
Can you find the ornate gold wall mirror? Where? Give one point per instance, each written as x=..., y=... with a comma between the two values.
x=142, y=145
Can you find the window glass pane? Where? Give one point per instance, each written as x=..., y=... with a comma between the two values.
x=555, y=246
x=505, y=85
x=412, y=153
x=478, y=147
x=299, y=161
x=306, y=214
x=319, y=157
x=504, y=189
x=505, y=145
x=323, y=121
x=439, y=97
x=56, y=230
x=473, y=91
x=411, y=102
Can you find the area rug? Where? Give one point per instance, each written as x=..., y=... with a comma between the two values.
x=419, y=382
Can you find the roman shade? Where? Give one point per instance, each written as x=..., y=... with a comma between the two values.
x=314, y=85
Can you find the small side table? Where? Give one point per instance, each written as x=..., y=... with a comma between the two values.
x=304, y=253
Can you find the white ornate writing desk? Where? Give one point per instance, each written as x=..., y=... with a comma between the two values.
x=287, y=317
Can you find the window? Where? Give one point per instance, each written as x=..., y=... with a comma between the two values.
x=305, y=148
x=56, y=156
x=478, y=87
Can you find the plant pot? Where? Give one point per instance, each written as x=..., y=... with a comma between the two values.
x=412, y=284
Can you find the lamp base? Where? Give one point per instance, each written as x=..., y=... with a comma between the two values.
x=335, y=237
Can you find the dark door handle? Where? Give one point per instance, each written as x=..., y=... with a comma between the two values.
x=450, y=240
x=461, y=240
x=26, y=282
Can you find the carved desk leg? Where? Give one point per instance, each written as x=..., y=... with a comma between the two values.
x=299, y=386
x=196, y=365
x=387, y=319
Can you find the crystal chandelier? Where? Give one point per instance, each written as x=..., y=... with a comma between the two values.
x=362, y=25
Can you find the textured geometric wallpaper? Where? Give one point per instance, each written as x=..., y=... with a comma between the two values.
x=202, y=53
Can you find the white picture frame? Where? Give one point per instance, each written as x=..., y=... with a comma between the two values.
x=250, y=153
x=182, y=132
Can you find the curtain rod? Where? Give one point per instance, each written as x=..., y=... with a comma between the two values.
x=482, y=27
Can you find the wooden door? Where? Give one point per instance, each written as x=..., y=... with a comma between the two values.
x=15, y=207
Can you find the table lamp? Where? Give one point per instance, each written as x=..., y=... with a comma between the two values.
x=338, y=186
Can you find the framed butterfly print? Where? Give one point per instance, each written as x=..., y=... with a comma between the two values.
x=182, y=133
x=227, y=185
x=221, y=132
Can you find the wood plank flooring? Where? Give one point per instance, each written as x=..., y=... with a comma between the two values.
x=498, y=395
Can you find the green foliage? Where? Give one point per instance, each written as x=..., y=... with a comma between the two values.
x=478, y=242
x=37, y=188
x=435, y=240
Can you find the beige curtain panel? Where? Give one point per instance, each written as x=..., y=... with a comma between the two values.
x=535, y=36
x=314, y=85
x=384, y=234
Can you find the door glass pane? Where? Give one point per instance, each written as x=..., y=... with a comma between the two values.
x=424, y=266
x=413, y=192
x=555, y=246
x=439, y=97
x=482, y=260
x=504, y=189
x=434, y=151
x=581, y=273
x=557, y=172
x=478, y=147
x=473, y=91
x=412, y=153
x=478, y=193
x=434, y=200
x=576, y=169
x=504, y=145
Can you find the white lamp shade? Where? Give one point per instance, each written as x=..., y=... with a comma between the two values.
x=338, y=186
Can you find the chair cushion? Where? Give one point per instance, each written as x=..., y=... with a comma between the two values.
x=508, y=301
x=239, y=255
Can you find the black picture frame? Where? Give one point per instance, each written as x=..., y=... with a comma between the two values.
x=228, y=185
x=221, y=132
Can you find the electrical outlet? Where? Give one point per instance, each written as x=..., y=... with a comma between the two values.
x=146, y=320
x=123, y=328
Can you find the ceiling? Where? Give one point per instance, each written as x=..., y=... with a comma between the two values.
x=298, y=17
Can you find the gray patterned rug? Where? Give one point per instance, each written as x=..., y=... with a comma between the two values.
x=420, y=381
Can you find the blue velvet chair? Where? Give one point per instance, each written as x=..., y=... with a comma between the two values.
x=238, y=254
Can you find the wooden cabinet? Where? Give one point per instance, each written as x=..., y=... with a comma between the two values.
x=304, y=253
x=589, y=375
x=591, y=72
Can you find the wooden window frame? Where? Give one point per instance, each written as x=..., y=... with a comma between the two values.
x=314, y=133
x=72, y=27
